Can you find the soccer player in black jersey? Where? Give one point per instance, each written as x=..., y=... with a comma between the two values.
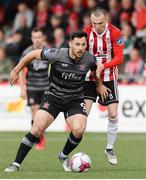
x=36, y=81
x=65, y=94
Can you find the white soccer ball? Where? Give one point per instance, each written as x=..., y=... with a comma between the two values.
x=80, y=162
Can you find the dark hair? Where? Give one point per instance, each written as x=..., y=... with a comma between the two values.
x=78, y=34
x=98, y=11
x=36, y=29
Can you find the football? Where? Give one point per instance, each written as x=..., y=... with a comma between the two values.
x=80, y=162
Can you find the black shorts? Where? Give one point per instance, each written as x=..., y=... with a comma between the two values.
x=34, y=97
x=55, y=105
x=90, y=92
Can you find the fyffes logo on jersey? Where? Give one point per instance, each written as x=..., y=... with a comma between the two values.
x=71, y=76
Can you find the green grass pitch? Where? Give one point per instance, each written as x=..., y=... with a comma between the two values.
x=130, y=151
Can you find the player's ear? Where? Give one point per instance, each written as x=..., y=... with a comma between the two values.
x=107, y=18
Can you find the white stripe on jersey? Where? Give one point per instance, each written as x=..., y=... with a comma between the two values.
x=108, y=55
x=91, y=42
x=87, y=78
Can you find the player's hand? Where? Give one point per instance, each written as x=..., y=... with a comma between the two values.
x=103, y=91
x=13, y=77
x=23, y=94
x=99, y=69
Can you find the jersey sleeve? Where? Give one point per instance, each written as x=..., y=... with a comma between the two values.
x=117, y=46
x=93, y=64
x=49, y=54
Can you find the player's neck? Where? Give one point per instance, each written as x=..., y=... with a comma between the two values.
x=37, y=47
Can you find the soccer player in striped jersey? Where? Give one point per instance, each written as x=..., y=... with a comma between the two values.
x=36, y=80
x=105, y=41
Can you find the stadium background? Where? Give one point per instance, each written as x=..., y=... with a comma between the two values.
x=58, y=19
x=17, y=18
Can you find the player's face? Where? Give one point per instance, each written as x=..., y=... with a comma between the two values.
x=77, y=47
x=38, y=39
x=99, y=23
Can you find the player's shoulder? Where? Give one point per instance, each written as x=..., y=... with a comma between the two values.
x=28, y=49
x=61, y=52
x=56, y=51
x=87, y=29
x=114, y=30
x=116, y=35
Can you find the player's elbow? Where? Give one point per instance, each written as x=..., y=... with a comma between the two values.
x=120, y=59
x=35, y=54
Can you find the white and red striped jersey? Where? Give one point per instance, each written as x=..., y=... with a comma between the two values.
x=108, y=50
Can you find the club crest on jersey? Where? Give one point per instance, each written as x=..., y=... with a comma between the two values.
x=108, y=41
x=120, y=41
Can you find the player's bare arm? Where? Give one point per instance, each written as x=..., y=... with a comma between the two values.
x=22, y=83
x=118, y=59
x=99, y=69
x=36, y=54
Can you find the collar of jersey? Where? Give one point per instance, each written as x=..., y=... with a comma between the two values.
x=100, y=35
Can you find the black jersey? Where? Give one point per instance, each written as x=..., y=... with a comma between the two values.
x=67, y=76
x=37, y=74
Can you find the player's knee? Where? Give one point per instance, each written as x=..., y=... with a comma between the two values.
x=36, y=131
x=78, y=132
x=113, y=116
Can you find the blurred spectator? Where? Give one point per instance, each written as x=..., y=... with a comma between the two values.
x=91, y=4
x=76, y=6
x=23, y=10
x=99, y=3
x=15, y=46
x=2, y=39
x=114, y=9
x=138, y=18
x=55, y=22
x=134, y=67
x=57, y=16
x=5, y=65
x=126, y=10
x=2, y=14
x=73, y=25
x=59, y=39
x=42, y=14
x=139, y=22
x=86, y=20
x=129, y=40
x=58, y=10
x=24, y=30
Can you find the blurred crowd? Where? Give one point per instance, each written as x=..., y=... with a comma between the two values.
x=60, y=17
